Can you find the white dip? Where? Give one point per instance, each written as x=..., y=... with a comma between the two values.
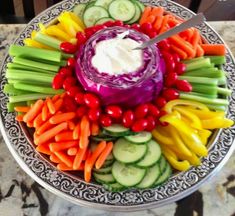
x=116, y=56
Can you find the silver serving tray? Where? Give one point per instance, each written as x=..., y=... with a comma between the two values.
x=70, y=186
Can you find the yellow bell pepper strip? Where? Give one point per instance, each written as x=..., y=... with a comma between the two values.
x=169, y=106
x=195, y=121
x=193, y=159
x=217, y=122
x=77, y=20
x=204, y=135
x=73, y=41
x=42, y=28
x=173, y=160
x=33, y=34
x=178, y=142
x=192, y=140
x=60, y=26
x=33, y=43
x=54, y=30
x=166, y=140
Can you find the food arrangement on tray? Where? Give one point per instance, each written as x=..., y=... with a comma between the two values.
x=128, y=118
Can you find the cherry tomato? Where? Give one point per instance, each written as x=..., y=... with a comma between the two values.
x=139, y=125
x=114, y=111
x=91, y=100
x=176, y=57
x=141, y=111
x=160, y=102
x=152, y=34
x=68, y=47
x=71, y=62
x=94, y=114
x=118, y=23
x=136, y=26
x=151, y=123
x=73, y=91
x=79, y=98
x=109, y=23
x=153, y=110
x=146, y=28
x=170, y=94
x=183, y=85
x=105, y=120
x=128, y=118
x=170, y=79
x=164, y=45
x=81, y=38
x=170, y=65
x=69, y=82
x=65, y=71
x=180, y=68
x=58, y=81
x=81, y=111
x=69, y=103
x=167, y=56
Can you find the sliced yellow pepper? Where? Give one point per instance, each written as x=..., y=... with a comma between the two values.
x=204, y=135
x=77, y=20
x=42, y=28
x=217, y=122
x=166, y=140
x=68, y=28
x=33, y=43
x=54, y=30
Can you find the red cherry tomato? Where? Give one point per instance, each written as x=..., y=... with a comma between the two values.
x=91, y=100
x=114, y=111
x=69, y=82
x=94, y=114
x=128, y=118
x=68, y=47
x=79, y=98
x=71, y=62
x=146, y=28
x=180, y=68
x=176, y=57
x=109, y=23
x=170, y=79
x=183, y=85
x=65, y=71
x=163, y=45
x=118, y=23
x=73, y=91
x=105, y=120
x=58, y=81
x=81, y=38
x=81, y=111
x=136, y=26
x=69, y=104
x=151, y=123
x=141, y=111
x=160, y=102
x=152, y=34
x=170, y=94
x=170, y=65
x=153, y=110
x=139, y=125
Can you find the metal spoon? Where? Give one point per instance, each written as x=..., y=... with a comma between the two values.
x=196, y=20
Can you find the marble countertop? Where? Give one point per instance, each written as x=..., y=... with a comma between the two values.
x=22, y=196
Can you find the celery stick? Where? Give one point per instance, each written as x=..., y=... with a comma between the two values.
x=222, y=80
x=36, y=53
x=204, y=88
x=12, y=81
x=205, y=95
x=216, y=107
x=61, y=63
x=36, y=64
x=217, y=60
x=38, y=89
x=204, y=100
x=47, y=40
x=27, y=97
x=66, y=55
x=224, y=91
x=202, y=63
x=11, y=90
x=192, y=60
x=29, y=76
x=201, y=71
x=11, y=106
x=201, y=80
x=210, y=74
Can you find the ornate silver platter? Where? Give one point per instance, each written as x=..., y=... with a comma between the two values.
x=73, y=188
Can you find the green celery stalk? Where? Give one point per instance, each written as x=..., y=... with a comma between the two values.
x=202, y=63
x=12, y=81
x=35, y=53
x=217, y=60
x=36, y=64
x=28, y=97
x=216, y=101
x=47, y=40
x=202, y=94
x=11, y=106
x=201, y=80
x=224, y=91
x=9, y=89
x=192, y=60
x=204, y=89
x=222, y=80
x=38, y=89
x=212, y=73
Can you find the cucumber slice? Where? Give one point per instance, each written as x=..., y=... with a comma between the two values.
x=79, y=9
x=162, y=164
x=92, y=14
x=116, y=130
x=110, y=157
x=103, y=3
x=123, y=10
x=90, y=4
x=127, y=152
x=105, y=170
x=107, y=163
x=141, y=5
x=127, y=175
x=139, y=138
x=166, y=175
x=153, y=155
x=137, y=14
x=104, y=178
x=114, y=187
x=101, y=138
x=103, y=20
x=151, y=176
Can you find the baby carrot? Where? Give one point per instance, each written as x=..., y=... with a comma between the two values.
x=22, y=109
x=54, y=158
x=150, y=19
x=38, y=121
x=71, y=125
x=87, y=170
x=72, y=151
x=62, y=117
x=145, y=14
x=46, y=136
x=44, y=149
x=181, y=53
x=59, y=146
x=50, y=106
x=19, y=118
x=164, y=25
x=58, y=104
x=101, y=159
x=44, y=112
x=46, y=125
x=79, y=158
x=64, y=158
x=199, y=51
x=157, y=11
x=85, y=132
x=214, y=49
x=30, y=124
x=64, y=136
x=95, y=129
x=55, y=98
x=158, y=23
x=34, y=111
x=195, y=38
x=172, y=22
x=64, y=167
x=76, y=131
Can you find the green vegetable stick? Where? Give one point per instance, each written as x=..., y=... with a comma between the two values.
x=35, y=53
x=11, y=90
x=202, y=63
x=27, y=97
x=201, y=80
x=11, y=106
x=47, y=40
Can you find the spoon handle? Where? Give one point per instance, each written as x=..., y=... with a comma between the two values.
x=196, y=20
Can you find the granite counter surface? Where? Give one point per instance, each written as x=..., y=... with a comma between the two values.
x=22, y=196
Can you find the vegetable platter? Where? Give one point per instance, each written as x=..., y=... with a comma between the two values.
x=104, y=125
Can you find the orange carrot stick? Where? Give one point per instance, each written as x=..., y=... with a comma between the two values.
x=76, y=131
x=22, y=109
x=72, y=151
x=58, y=104
x=158, y=23
x=64, y=158
x=199, y=51
x=84, y=133
x=164, y=25
x=145, y=14
x=150, y=19
x=64, y=136
x=44, y=149
x=30, y=124
x=59, y=146
x=55, y=98
x=71, y=125
x=195, y=38
x=64, y=167
x=19, y=118
x=95, y=129
x=46, y=136
x=87, y=170
x=44, y=112
x=172, y=22
x=157, y=11
x=101, y=159
x=79, y=157
x=46, y=125
x=181, y=53
x=50, y=106
x=214, y=49
x=54, y=158
x=38, y=121
x=34, y=111
x=62, y=117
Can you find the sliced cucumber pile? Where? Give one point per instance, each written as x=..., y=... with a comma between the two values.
x=100, y=11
